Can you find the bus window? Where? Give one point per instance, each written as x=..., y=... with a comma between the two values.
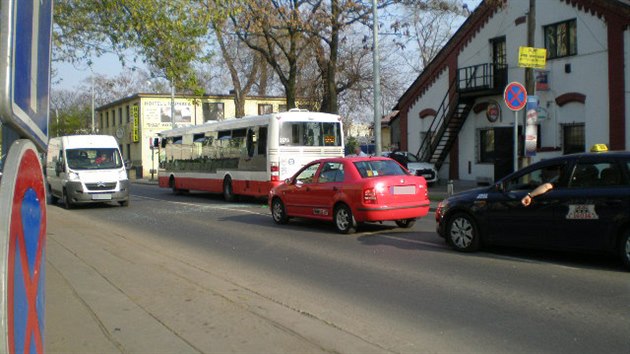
x=262, y=141
x=310, y=134
x=249, y=143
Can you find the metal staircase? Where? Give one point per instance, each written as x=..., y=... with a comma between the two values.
x=445, y=127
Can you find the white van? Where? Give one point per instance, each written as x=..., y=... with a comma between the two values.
x=86, y=169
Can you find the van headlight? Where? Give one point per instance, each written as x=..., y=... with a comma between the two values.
x=122, y=175
x=73, y=177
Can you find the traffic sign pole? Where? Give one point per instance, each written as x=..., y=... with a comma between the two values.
x=25, y=47
x=515, y=97
x=515, y=140
x=22, y=251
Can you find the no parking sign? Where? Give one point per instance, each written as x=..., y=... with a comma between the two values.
x=22, y=255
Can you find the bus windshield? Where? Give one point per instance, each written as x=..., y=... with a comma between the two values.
x=93, y=159
x=310, y=134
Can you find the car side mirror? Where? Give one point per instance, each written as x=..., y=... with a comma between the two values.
x=128, y=164
x=499, y=187
x=287, y=181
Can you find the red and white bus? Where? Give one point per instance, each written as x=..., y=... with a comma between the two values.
x=246, y=156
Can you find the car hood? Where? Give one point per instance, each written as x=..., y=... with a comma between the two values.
x=420, y=165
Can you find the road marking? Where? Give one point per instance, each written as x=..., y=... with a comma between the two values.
x=203, y=205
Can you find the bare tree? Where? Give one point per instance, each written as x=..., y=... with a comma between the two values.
x=425, y=29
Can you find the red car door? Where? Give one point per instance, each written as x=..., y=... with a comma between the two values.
x=298, y=195
x=323, y=193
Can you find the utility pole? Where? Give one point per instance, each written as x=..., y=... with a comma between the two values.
x=172, y=105
x=377, y=81
x=530, y=84
x=93, y=130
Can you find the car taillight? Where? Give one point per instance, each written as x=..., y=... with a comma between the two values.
x=275, y=172
x=369, y=196
x=426, y=191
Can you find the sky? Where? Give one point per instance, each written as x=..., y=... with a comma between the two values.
x=71, y=77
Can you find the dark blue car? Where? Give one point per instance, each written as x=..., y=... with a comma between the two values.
x=587, y=210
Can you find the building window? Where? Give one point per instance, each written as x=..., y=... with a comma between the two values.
x=120, y=116
x=499, y=56
x=264, y=108
x=127, y=113
x=573, y=138
x=212, y=111
x=282, y=108
x=113, y=117
x=100, y=116
x=106, y=119
x=561, y=39
x=129, y=152
x=486, y=146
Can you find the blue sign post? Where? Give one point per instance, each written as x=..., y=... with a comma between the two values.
x=515, y=97
x=25, y=34
x=22, y=251
x=26, y=27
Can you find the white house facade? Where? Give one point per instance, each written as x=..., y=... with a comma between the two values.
x=455, y=114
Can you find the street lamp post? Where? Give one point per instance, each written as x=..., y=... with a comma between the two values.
x=172, y=105
x=93, y=130
x=377, y=81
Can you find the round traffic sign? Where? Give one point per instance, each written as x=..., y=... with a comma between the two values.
x=515, y=96
x=22, y=250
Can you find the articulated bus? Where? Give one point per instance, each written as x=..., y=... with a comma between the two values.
x=246, y=156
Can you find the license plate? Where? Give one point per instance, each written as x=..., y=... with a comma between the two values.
x=404, y=190
x=101, y=197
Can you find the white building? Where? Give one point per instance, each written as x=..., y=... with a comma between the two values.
x=583, y=91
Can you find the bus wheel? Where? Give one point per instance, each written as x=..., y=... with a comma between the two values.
x=228, y=191
x=171, y=183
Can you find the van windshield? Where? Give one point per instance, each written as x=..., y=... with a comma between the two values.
x=93, y=159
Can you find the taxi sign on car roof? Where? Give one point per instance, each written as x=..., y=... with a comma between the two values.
x=599, y=148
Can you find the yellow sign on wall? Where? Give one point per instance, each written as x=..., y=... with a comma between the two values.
x=136, y=124
x=529, y=57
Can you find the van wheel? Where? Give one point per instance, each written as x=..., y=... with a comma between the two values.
x=67, y=203
x=228, y=191
x=624, y=249
x=53, y=198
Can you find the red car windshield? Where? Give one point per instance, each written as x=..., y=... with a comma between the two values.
x=378, y=168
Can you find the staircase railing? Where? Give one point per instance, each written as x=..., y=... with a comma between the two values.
x=427, y=147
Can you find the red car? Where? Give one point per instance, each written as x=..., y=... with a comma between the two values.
x=350, y=191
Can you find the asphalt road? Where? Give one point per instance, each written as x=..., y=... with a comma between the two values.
x=222, y=277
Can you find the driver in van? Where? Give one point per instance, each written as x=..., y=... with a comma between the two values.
x=102, y=158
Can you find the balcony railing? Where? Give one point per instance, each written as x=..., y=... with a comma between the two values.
x=482, y=78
